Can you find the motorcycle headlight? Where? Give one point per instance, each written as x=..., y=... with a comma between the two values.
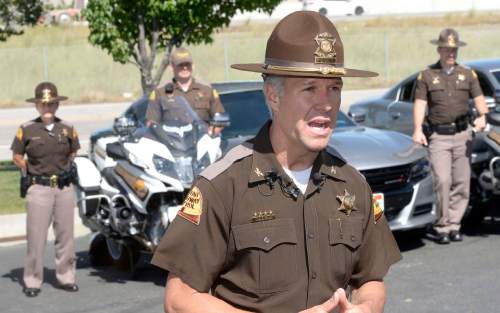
x=184, y=168
x=202, y=164
x=164, y=166
x=420, y=169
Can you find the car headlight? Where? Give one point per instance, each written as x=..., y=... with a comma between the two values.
x=420, y=169
x=164, y=166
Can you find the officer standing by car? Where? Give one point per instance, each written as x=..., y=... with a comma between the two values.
x=444, y=89
x=50, y=145
x=203, y=99
x=282, y=223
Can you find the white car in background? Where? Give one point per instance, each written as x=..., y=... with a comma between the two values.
x=336, y=7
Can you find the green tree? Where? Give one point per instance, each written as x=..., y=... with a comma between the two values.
x=139, y=31
x=14, y=14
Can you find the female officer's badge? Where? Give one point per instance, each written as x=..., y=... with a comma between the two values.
x=193, y=206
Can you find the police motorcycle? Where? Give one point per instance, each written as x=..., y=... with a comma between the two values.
x=485, y=171
x=137, y=180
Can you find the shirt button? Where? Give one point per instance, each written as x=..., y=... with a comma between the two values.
x=313, y=275
x=353, y=238
x=267, y=240
x=310, y=235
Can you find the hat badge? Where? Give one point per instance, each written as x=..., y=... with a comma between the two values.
x=452, y=40
x=325, y=53
x=46, y=95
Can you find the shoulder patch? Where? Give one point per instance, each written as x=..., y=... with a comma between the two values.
x=66, y=124
x=215, y=93
x=237, y=153
x=419, y=77
x=192, y=207
x=474, y=73
x=19, y=134
x=74, y=134
x=152, y=95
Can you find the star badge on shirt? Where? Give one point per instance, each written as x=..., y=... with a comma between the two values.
x=347, y=203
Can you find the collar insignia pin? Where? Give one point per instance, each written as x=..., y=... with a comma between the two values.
x=262, y=216
x=258, y=172
x=347, y=203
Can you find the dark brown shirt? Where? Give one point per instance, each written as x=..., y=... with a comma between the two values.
x=447, y=95
x=258, y=248
x=203, y=99
x=47, y=151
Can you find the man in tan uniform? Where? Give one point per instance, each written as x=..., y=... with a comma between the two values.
x=203, y=99
x=50, y=145
x=282, y=223
x=444, y=88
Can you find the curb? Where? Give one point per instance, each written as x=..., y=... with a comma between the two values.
x=13, y=229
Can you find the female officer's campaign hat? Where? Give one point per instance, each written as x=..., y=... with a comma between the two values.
x=304, y=44
x=448, y=38
x=46, y=92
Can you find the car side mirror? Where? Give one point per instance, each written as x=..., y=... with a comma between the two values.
x=115, y=151
x=357, y=116
x=220, y=120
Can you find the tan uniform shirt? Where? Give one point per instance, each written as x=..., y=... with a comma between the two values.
x=258, y=248
x=48, y=151
x=203, y=99
x=447, y=95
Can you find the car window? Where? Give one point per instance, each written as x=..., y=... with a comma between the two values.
x=497, y=75
x=407, y=91
x=485, y=85
x=247, y=110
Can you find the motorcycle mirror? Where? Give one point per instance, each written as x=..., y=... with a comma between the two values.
x=220, y=120
x=115, y=151
x=124, y=125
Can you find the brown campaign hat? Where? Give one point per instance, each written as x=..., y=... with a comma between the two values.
x=304, y=44
x=46, y=92
x=448, y=38
x=181, y=55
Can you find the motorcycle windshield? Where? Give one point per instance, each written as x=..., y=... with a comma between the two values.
x=180, y=127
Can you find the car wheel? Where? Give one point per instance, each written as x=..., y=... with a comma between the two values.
x=323, y=11
x=359, y=10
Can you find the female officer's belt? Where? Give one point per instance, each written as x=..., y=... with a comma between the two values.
x=53, y=181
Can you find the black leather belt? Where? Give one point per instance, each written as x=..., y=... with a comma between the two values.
x=459, y=125
x=51, y=181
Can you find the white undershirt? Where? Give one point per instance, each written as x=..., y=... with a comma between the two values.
x=300, y=178
x=49, y=127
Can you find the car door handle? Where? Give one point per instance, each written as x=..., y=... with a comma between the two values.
x=395, y=115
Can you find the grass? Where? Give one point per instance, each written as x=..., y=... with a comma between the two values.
x=9, y=191
x=392, y=46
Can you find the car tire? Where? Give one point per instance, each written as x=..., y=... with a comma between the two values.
x=359, y=11
x=323, y=11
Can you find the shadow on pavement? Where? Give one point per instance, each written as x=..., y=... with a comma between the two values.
x=143, y=272
x=410, y=239
x=16, y=276
x=489, y=226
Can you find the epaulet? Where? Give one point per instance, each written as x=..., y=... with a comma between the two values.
x=64, y=123
x=333, y=152
x=465, y=67
x=237, y=153
x=28, y=123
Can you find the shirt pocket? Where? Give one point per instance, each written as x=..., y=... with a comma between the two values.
x=437, y=92
x=345, y=236
x=267, y=254
x=35, y=149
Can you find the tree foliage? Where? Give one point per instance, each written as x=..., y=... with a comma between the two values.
x=139, y=31
x=14, y=14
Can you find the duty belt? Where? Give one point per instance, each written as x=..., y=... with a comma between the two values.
x=51, y=181
x=459, y=125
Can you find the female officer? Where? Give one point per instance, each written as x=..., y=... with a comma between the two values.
x=50, y=146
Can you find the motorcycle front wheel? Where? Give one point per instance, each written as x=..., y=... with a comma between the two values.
x=125, y=255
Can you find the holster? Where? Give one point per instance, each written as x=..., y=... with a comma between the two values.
x=427, y=130
x=25, y=183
